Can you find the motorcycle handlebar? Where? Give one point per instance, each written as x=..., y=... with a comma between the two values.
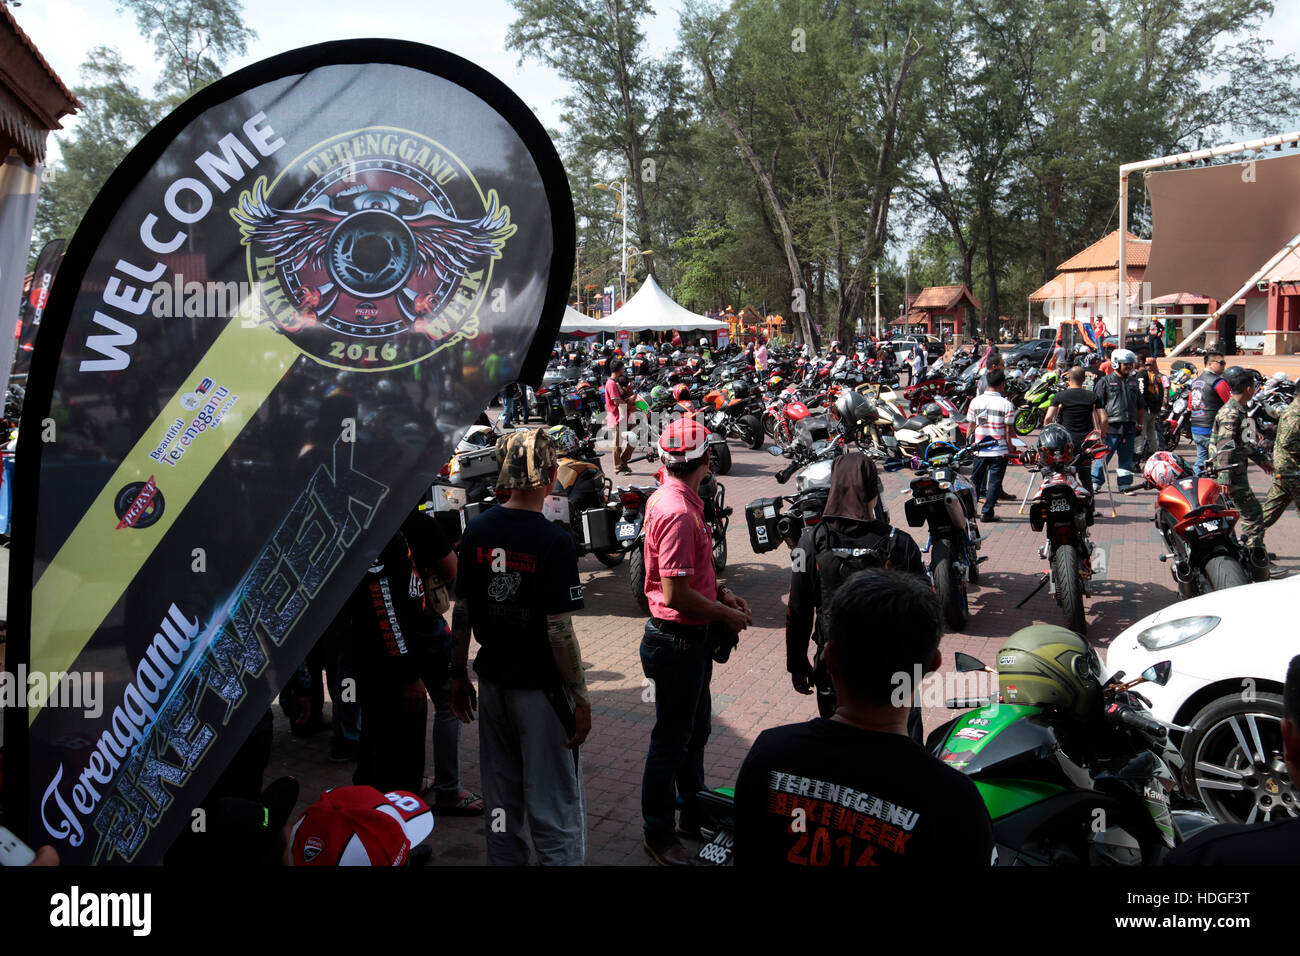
x=1132, y=719
x=784, y=474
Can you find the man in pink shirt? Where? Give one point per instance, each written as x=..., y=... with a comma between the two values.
x=617, y=392
x=677, y=649
x=760, y=355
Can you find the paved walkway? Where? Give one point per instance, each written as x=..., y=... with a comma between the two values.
x=752, y=691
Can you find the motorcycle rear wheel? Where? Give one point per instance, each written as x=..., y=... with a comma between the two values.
x=636, y=579
x=948, y=586
x=1069, y=587
x=751, y=431
x=1224, y=572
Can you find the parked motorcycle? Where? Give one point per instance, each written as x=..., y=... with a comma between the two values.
x=1063, y=508
x=944, y=501
x=1196, y=520
x=1063, y=790
x=1038, y=398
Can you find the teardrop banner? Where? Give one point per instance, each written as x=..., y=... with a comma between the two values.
x=273, y=323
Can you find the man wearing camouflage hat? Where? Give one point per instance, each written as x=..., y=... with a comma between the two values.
x=516, y=590
x=1286, y=465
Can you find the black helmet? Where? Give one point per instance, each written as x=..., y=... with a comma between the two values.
x=852, y=407
x=1055, y=446
x=1238, y=377
x=932, y=412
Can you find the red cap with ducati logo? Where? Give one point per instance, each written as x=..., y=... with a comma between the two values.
x=684, y=440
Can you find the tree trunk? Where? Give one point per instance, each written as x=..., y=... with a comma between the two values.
x=803, y=329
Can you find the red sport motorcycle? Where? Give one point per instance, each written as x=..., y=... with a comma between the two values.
x=1196, y=519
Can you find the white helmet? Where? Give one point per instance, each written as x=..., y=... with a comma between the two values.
x=1123, y=357
x=704, y=342
x=1162, y=469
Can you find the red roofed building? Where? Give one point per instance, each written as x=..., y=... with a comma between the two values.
x=939, y=310
x=1086, y=284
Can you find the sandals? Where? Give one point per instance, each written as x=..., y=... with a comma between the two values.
x=470, y=805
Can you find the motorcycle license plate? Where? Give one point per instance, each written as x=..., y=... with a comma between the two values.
x=929, y=499
x=625, y=530
x=1060, y=504
x=717, y=852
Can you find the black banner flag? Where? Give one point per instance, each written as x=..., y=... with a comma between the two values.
x=33, y=307
x=266, y=335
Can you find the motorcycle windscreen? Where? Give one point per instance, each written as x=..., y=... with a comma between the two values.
x=273, y=322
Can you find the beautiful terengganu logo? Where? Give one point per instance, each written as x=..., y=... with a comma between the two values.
x=373, y=249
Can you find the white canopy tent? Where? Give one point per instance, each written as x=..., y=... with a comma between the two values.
x=651, y=310
x=575, y=322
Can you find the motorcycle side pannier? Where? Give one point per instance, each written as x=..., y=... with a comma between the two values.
x=761, y=517
x=479, y=463
x=473, y=510
x=598, y=529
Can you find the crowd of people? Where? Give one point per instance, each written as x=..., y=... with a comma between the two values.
x=512, y=587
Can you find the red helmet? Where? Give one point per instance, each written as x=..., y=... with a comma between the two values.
x=684, y=440
x=681, y=392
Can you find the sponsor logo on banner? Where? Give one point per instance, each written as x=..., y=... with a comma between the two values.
x=139, y=504
x=211, y=404
x=385, y=256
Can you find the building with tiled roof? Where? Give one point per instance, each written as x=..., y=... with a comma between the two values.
x=1086, y=284
x=938, y=310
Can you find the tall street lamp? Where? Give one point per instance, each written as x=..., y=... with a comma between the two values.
x=620, y=187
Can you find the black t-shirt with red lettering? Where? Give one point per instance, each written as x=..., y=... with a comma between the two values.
x=867, y=799
x=515, y=568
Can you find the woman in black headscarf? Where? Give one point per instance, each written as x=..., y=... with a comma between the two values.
x=848, y=521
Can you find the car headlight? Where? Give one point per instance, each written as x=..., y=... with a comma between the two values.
x=1173, y=633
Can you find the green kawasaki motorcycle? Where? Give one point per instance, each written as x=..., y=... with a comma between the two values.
x=1073, y=772
x=1038, y=399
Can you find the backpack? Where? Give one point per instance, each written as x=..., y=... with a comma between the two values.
x=839, y=557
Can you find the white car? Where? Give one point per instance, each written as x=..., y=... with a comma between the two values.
x=1229, y=650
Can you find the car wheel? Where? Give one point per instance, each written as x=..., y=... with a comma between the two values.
x=1233, y=759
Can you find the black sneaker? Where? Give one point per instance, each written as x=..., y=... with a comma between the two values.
x=993, y=518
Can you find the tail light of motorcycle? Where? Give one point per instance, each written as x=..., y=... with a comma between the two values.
x=630, y=499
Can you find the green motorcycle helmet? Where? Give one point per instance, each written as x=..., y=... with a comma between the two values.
x=1047, y=665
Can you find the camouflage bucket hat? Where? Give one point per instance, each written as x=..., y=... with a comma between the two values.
x=526, y=458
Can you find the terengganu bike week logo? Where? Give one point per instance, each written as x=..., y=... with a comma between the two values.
x=383, y=259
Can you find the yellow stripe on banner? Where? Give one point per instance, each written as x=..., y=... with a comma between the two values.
x=99, y=560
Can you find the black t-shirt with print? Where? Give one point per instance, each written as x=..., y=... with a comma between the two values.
x=515, y=568
x=393, y=630
x=868, y=799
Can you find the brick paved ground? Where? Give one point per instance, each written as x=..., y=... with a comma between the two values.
x=752, y=691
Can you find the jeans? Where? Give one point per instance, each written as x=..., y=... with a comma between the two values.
x=1202, y=443
x=1116, y=442
x=512, y=410
x=674, y=765
x=987, y=475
